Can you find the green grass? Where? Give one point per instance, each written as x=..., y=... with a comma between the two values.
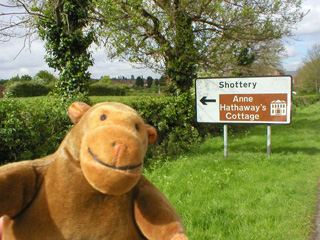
x=249, y=195
x=122, y=99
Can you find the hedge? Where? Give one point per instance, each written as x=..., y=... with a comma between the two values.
x=31, y=128
x=305, y=100
x=103, y=89
x=34, y=127
x=27, y=89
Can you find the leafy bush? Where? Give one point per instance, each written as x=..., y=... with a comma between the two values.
x=3, y=82
x=44, y=77
x=31, y=129
x=27, y=89
x=12, y=80
x=173, y=117
x=103, y=89
x=34, y=127
x=305, y=99
x=38, y=79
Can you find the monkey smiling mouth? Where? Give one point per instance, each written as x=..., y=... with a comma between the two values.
x=113, y=167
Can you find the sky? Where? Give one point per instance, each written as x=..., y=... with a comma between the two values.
x=306, y=35
x=31, y=61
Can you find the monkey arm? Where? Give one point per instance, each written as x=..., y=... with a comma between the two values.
x=17, y=187
x=154, y=214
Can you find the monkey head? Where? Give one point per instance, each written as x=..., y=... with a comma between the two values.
x=113, y=140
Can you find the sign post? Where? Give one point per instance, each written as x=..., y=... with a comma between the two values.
x=259, y=100
x=269, y=140
x=225, y=140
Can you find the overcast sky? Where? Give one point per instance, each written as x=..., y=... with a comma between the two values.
x=32, y=61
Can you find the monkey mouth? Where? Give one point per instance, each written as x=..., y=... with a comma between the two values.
x=113, y=167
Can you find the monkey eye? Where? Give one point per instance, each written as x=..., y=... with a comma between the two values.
x=103, y=117
x=137, y=127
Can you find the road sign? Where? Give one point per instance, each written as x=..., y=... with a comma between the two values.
x=244, y=100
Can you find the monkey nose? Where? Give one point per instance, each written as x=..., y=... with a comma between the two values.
x=118, y=147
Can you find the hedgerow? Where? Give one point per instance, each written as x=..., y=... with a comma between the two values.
x=34, y=127
x=306, y=100
x=103, y=89
x=27, y=89
x=31, y=129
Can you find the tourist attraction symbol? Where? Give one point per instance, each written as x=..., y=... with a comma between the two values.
x=264, y=100
x=278, y=108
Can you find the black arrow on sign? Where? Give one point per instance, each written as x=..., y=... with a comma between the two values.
x=204, y=100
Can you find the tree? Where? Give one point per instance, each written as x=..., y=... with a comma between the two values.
x=243, y=64
x=139, y=82
x=63, y=25
x=25, y=78
x=63, y=29
x=106, y=79
x=17, y=20
x=163, y=80
x=261, y=60
x=44, y=77
x=149, y=81
x=308, y=76
x=179, y=37
x=12, y=80
x=3, y=82
x=268, y=59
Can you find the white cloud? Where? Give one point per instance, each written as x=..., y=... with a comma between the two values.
x=24, y=71
x=31, y=61
x=292, y=51
x=292, y=66
x=307, y=33
x=294, y=56
x=13, y=61
x=103, y=67
x=311, y=22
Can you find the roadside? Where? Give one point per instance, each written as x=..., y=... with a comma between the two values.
x=315, y=234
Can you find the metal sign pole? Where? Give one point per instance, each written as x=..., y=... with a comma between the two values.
x=269, y=140
x=225, y=140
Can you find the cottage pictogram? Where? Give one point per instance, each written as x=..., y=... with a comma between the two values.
x=278, y=108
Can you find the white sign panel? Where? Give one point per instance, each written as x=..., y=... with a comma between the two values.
x=244, y=100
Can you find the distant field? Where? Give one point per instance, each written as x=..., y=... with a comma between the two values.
x=249, y=195
x=122, y=99
x=96, y=99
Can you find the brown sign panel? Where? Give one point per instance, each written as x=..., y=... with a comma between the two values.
x=253, y=107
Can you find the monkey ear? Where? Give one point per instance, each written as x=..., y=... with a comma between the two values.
x=76, y=111
x=152, y=134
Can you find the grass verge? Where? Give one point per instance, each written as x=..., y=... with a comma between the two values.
x=249, y=195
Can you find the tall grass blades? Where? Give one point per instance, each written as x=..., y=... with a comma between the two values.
x=249, y=195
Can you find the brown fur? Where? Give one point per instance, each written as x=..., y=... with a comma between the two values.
x=92, y=187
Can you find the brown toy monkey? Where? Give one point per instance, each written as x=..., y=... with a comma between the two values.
x=92, y=187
